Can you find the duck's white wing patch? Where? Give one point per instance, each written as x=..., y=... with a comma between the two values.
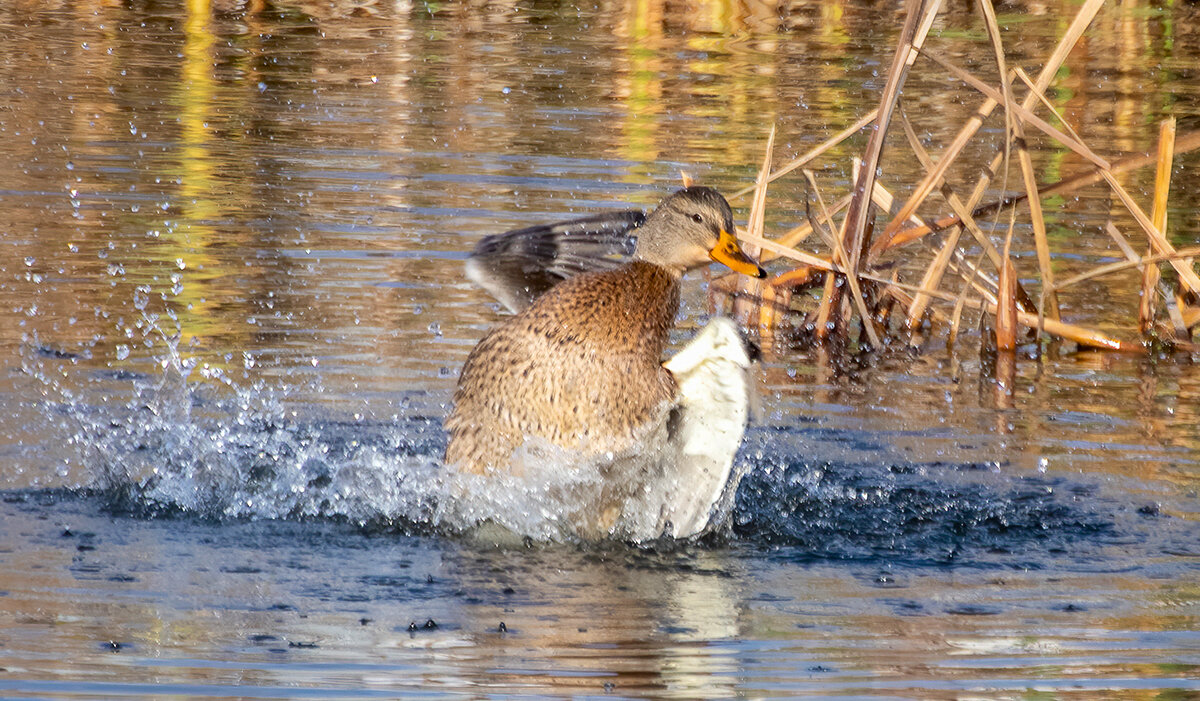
x=713, y=406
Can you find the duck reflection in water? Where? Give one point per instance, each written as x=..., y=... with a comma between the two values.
x=637, y=623
x=570, y=398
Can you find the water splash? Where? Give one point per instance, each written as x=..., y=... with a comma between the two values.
x=976, y=515
x=169, y=432
x=165, y=432
x=179, y=435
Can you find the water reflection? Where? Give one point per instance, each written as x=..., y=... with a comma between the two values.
x=285, y=609
x=232, y=287
x=613, y=621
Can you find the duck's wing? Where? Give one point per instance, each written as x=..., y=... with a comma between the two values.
x=517, y=266
x=713, y=404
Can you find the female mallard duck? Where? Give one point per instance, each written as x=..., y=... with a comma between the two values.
x=577, y=378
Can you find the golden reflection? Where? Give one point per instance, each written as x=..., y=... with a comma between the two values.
x=198, y=188
x=389, y=138
x=621, y=622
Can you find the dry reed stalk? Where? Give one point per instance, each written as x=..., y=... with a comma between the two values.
x=825, y=308
x=1158, y=241
x=1079, y=24
x=1185, y=144
x=1175, y=306
x=791, y=253
x=1037, y=219
x=1150, y=273
x=1110, y=268
x=1071, y=332
x=750, y=290
x=796, y=235
x=1078, y=334
x=840, y=256
x=1191, y=316
x=854, y=238
x=912, y=37
x=932, y=177
x=937, y=268
x=1023, y=112
x=1162, y=174
x=1122, y=242
x=959, y=303
x=798, y=277
x=816, y=152
x=1006, y=309
x=885, y=201
x=936, y=174
x=1148, y=302
x=1148, y=306
x=1006, y=327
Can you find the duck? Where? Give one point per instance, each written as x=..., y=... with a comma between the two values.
x=576, y=378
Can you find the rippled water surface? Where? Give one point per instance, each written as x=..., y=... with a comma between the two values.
x=233, y=313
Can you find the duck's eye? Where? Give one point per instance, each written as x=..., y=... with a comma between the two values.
x=697, y=218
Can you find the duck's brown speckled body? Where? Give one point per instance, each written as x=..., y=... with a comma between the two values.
x=581, y=367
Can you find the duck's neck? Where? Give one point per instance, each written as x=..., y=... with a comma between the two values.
x=652, y=257
x=650, y=303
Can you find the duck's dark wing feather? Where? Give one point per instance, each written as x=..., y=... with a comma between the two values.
x=517, y=266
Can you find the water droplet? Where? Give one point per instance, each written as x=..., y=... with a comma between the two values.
x=29, y=261
x=122, y=351
x=141, y=296
x=132, y=129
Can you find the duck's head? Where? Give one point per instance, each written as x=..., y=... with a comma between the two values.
x=693, y=227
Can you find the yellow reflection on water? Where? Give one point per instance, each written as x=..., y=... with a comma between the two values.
x=199, y=201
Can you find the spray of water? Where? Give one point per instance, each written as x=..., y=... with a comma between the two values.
x=162, y=431
x=171, y=433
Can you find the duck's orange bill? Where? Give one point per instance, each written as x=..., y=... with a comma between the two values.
x=729, y=253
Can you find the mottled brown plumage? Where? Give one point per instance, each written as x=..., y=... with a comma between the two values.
x=581, y=367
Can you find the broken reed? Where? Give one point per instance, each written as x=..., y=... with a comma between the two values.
x=856, y=290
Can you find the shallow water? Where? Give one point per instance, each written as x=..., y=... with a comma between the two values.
x=234, y=312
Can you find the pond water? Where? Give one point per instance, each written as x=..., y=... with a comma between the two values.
x=234, y=311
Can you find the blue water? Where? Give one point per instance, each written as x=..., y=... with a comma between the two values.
x=233, y=312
